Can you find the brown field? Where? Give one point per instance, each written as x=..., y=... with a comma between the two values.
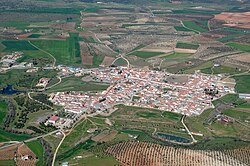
x=8, y=153
x=85, y=54
x=107, y=61
x=148, y=154
x=18, y=151
x=241, y=20
x=22, y=151
x=181, y=50
x=105, y=136
x=245, y=57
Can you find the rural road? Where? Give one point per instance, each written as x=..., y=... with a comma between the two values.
x=54, y=59
x=54, y=157
x=28, y=140
x=182, y=121
x=39, y=101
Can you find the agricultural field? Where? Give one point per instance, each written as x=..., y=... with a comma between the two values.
x=242, y=47
x=145, y=55
x=242, y=83
x=194, y=26
x=37, y=148
x=161, y=155
x=187, y=45
x=18, y=46
x=7, y=136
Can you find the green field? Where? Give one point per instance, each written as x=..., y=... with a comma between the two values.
x=177, y=56
x=19, y=45
x=37, y=148
x=229, y=98
x=16, y=24
x=171, y=115
x=221, y=69
x=147, y=114
x=3, y=111
x=7, y=136
x=242, y=83
x=194, y=26
x=66, y=52
x=237, y=114
x=76, y=84
x=187, y=45
x=242, y=47
x=71, y=140
x=180, y=28
x=82, y=146
x=120, y=62
x=7, y=163
x=145, y=55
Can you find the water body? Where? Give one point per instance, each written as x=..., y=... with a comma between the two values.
x=9, y=90
x=173, y=138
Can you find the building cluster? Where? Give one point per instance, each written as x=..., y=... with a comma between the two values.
x=43, y=82
x=10, y=62
x=59, y=122
x=143, y=88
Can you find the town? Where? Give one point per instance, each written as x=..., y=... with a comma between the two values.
x=145, y=88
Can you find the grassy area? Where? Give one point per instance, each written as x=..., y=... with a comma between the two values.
x=221, y=69
x=145, y=114
x=120, y=62
x=171, y=115
x=145, y=55
x=229, y=98
x=82, y=146
x=199, y=67
x=181, y=28
x=187, y=45
x=177, y=55
x=97, y=60
x=237, y=114
x=37, y=148
x=242, y=83
x=242, y=47
x=71, y=140
x=3, y=111
x=19, y=45
x=76, y=84
x=7, y=136
x=194, y=26
x=7, y=163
